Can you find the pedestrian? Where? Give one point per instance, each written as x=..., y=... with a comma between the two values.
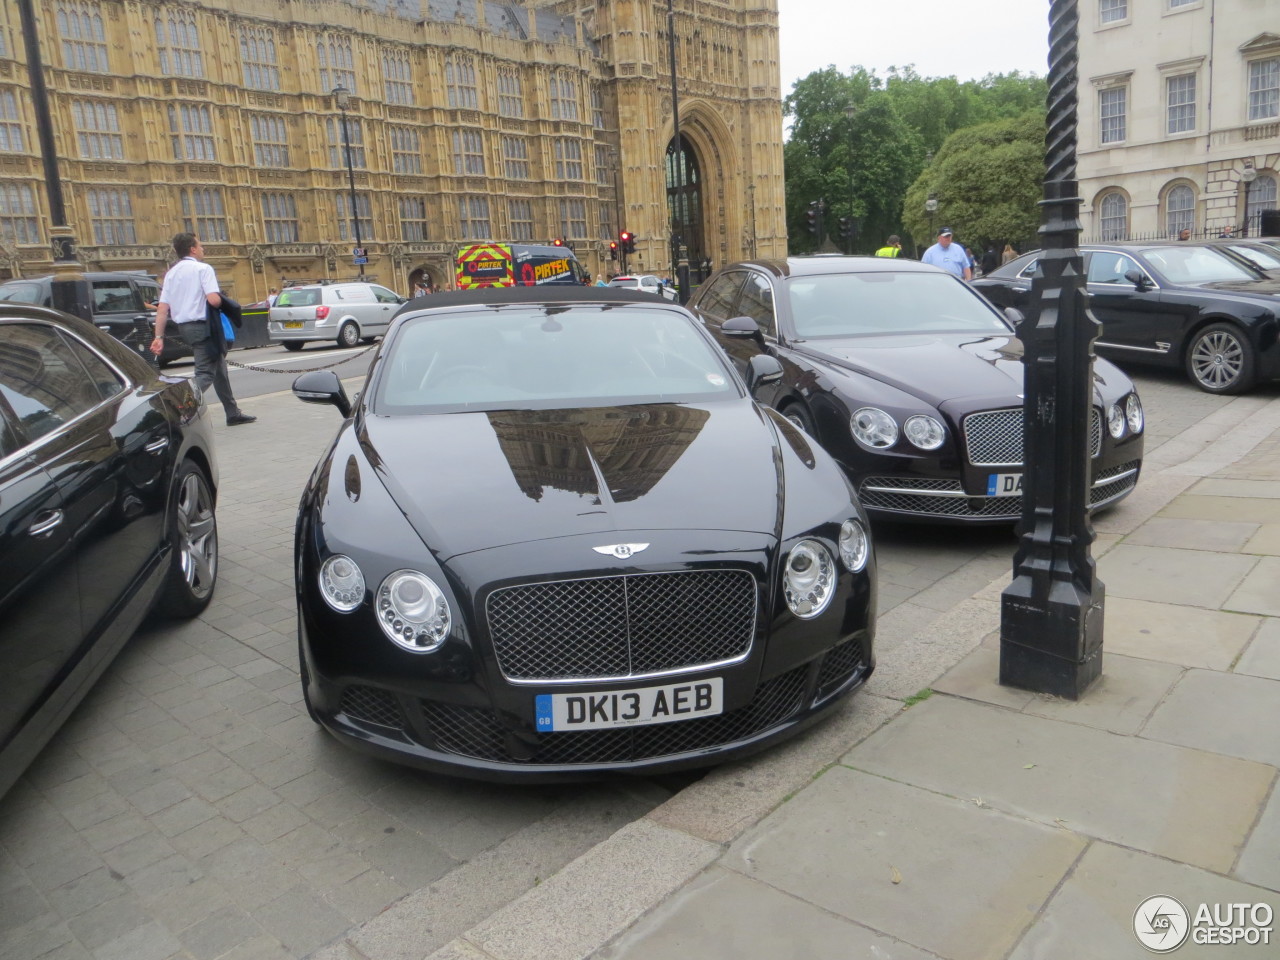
x=950, y=256
x=271, y=297
x=1009, y=254
x=1184, y=233
x=600, y=281
x=989, y=259
x=190, y=290
x=891, y=248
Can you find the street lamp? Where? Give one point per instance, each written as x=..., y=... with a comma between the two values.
x=1051, y=614
x=931, y=207
x=342, y=96
x=679, y=253
x=751, y=198
x=1247, y=176
x=850, y=112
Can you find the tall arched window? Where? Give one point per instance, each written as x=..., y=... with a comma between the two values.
x=1113, y=217
x=1179, y=210
x=684, y=198
x=1262, y=196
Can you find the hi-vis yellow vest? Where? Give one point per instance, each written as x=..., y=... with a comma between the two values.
x=888, y=252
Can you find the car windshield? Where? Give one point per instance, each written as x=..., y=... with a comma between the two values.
x=549, y=357
x=1263, y=257
x=876, y=303
x=624, y=281
x=1196, y=265
x=299, y=298
x=19, y=292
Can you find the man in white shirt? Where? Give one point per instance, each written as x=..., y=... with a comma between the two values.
x=949, y=256
x=190, y=288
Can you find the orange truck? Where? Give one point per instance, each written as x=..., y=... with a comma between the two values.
x=516, y=264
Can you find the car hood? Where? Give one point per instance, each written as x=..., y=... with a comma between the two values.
x=1258, y=288
x=934, y=367
x=472, y=481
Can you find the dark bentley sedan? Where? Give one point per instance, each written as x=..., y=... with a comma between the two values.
x=910, y=380
x=107, y=487
x=555, y=536
x=1175, y=304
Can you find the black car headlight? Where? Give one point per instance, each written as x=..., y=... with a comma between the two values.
x=413, y=612
x=1133, y=413
x=924, y=432
x=874, y=428
x=341, y=583
x=809, y=579
x=1116, y=420
x=855, y=545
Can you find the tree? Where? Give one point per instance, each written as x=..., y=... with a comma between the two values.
x=987, y=180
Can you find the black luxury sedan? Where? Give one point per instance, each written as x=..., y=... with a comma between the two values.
x=107, y=490
x=556, y=537
x=1174, y=304
x=910, y=380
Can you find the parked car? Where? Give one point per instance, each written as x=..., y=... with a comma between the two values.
x=909, y=379
x=646, y=283
x=345, y=311
x=107, y=490
x=556, y=536
x=120, y=307
x=1257, y=254
x=1172, y=304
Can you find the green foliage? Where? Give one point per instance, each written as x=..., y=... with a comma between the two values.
x=918, y=697
x=863, y=164
x=987, y=181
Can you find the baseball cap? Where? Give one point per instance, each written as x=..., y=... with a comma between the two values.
x=944, y=232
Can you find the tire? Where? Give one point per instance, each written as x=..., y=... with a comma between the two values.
x=193, y=532
x=348, y=335
x=293, y=346
x=799, y=418
x=1221, y=360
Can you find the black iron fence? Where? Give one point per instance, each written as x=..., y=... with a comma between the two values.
x=1263, y=223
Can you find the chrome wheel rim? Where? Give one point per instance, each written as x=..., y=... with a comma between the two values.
x=1217, y=359
x=350, y=336
x=796, y=421
x=197, y=536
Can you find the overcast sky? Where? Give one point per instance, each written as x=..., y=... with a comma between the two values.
x=940, y=37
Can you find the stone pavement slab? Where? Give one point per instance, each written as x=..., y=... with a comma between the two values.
x=1260, y=862
x=1197, y=807
x=724, y=914
x=1225, y=713
x=1222, y=536
x=1262, y=658
x=1253, y=509
x=1266, y=540
x=1197, y=578
x=939, y=873
x=1189, y=636
x=1091, y=916
x=1228, y=487
x=1260, y=591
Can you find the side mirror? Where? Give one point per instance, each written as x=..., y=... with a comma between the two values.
x=1014, y=316
x=762, y=369
x=1137, y=278
x=322, y=386
x=742, y=328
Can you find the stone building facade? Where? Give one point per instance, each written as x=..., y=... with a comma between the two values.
x=1179, y=116
x=468, y=120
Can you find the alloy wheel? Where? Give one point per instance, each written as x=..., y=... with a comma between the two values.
x=197, y=536
x=1217, y=359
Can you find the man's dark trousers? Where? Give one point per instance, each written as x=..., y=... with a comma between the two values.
x=211, y=368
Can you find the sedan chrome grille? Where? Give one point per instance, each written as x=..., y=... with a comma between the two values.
x=994, y=438
x=935, y=498
x=635, y=625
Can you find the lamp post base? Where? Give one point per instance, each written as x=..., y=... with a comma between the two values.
x=1051, y=645
x=69, y=290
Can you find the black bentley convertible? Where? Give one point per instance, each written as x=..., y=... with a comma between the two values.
x=556, y=536
x=910, y=380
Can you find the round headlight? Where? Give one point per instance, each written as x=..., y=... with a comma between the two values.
x=809, y=579
x=1115, y=420
x=924, y=432
x=341, y=583
x=413, y=612
x=1133, y=413
x=874, y=427
x=855, y=546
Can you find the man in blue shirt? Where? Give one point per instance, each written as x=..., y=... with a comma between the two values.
x=949, y=256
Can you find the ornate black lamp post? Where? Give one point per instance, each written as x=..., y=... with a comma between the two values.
x=679, y=252
x=850, y=112
x=69, y=289
x=1051, y=614
x=342, y=96
x=1247, y=176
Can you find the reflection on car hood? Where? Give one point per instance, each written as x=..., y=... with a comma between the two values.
x=470, y=481
x=933, y=367
x=1263, y=288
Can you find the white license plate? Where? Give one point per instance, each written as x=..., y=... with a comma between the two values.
x=626, y=708
x=1003, y=484
x=293, y=324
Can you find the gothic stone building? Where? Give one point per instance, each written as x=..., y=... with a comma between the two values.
x=467, y=120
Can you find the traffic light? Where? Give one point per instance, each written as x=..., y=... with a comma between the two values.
x=613, y=249
x=814, y=218
x=846, y=228
x=628, y=241
x=558, y=242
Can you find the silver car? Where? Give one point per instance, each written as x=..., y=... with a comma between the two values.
x=646, y=283
x=346, y=312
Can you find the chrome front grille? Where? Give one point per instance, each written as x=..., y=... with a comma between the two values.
x=635, y=625
x=935, y=498
x=994, y=438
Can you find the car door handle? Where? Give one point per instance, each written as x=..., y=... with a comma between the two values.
x=156, y=446
x=45, y=523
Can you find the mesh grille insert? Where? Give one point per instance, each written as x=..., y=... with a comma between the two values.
x=994, y=438
x=372, y=706
x=617, y=627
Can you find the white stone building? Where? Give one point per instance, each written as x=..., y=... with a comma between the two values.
x=1179, y=116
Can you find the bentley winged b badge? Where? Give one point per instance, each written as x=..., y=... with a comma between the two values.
x=620, y=550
